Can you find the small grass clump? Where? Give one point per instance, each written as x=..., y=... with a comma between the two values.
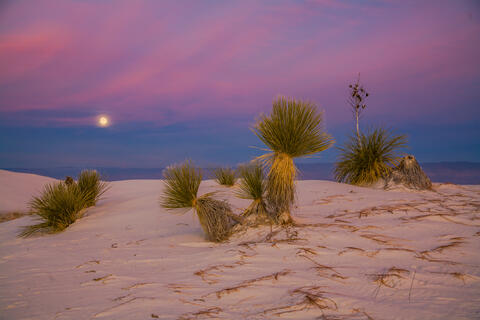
x=181, y=189
x=62, y=203
x=252, y=186
x=365, y=159
x=225, y=176
x=293, y=129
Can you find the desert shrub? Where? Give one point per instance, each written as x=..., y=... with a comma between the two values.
x=293, y=129
x=91, y=186
x=181, y=189
x=57, y=207
x=61, y=203
x=364, y=160
x=252, y=185
x=225, y=176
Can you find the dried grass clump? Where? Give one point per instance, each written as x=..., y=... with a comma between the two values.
x=62, y=203
x=252, y=186
x=181, y=188
x=293, y=129
x=365, y=160
x=225, y=176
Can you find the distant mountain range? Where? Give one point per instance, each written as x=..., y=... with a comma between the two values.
x=453, y=172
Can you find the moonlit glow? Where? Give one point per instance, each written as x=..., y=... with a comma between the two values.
x=103, y=121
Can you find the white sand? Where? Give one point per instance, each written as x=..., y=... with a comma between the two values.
x=361, y=254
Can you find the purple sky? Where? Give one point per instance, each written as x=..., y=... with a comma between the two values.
x=187, y=78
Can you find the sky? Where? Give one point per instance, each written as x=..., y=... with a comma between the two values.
x=187, y=79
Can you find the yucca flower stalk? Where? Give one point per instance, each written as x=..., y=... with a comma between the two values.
x=292, y=130
x=91, y=186
x=57, y=207
x=365, y=160
x=225, y=176
x=252, y=185
x=181, y=189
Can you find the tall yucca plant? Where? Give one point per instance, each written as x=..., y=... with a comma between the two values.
x=91, y=186
x=364, y=160
x=181, y=188
x=292, y=130
x=252, y=185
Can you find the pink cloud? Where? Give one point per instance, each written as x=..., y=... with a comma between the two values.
x=160, y=61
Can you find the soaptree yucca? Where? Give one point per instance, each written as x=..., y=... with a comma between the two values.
x=181, y=189
x=57, y=207
x=365, y=159
x=252, y=186
x=225, y=176
x=91, y=186
x=61, y=203
x=293, y=129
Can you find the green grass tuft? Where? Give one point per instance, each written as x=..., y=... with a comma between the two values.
x=366, y=160
x=225, y=176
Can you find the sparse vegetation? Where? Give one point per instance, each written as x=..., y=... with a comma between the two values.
x=62, y=203
x=252, y=186
x=366, y=160
x=225, y=176
x=181, y=189
x=91, y=186
x=57, y=207
x=293, y=129
x=4, y=217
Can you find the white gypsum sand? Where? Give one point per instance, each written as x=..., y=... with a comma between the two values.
x=358, y=253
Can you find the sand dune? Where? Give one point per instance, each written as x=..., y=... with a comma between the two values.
x=357, y=253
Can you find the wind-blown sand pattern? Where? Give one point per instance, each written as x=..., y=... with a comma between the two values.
x=356, y=253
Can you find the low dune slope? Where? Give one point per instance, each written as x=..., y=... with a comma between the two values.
x=356, y=253
x=16, y=189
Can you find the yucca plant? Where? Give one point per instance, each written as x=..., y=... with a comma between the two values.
x=57, y=207
x=225, y=176
x=91, y=186
x=181, y=188
x=252, y=185
x=365, y=160
x=61, y=203
x=292, y=130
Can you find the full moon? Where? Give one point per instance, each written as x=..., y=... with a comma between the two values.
x=103, y=121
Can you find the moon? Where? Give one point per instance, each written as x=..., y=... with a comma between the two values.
x=103, y=121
